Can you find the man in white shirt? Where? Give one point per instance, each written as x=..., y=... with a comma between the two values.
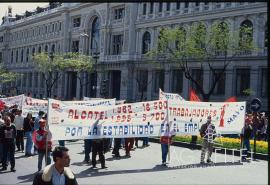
x=18, y=122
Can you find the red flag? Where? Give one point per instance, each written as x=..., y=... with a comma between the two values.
x=231, y=99
x=193, y=96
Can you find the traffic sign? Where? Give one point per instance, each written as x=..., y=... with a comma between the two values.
x=255, y=104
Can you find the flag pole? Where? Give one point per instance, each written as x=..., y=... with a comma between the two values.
x=46, y=145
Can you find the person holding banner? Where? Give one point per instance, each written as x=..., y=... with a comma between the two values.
x=58, y=173
x=165, y=141
x=208, y=133
x=40, y=137
x=98, y=148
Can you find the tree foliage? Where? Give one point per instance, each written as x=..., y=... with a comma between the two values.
x=7, y=76
x=52, y=66
x=203, y=47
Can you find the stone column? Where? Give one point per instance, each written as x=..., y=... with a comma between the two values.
x=132, y=28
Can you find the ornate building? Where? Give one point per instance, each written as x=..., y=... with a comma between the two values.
x=118, y=35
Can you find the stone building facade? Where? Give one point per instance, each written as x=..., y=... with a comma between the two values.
x=118, y=35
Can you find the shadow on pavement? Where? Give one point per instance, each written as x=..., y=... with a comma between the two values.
x=101, y=172
x=27, y=178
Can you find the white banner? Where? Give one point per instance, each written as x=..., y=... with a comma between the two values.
x=14, y=100
x=170, y=96
x=126, y=120
x=33, y=106
x=117, y=102
x=188, y=116
x=143, y=119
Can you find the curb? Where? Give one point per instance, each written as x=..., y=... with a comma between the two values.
x=219, y=149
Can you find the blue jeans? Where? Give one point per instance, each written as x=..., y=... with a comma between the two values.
x=41, y=155
x=164, y=152
x=61, y=142
x=247, y=146
x=87, y=149
x=29, y=143
x=145, y=141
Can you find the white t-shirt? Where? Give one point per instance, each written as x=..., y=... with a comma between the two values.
x=18, y=122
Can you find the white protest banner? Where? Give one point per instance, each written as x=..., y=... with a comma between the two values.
x=88, y=98
x=188, y=116
x=170, y=96
x=127, y=120
x=13, y=100
x=33, y=106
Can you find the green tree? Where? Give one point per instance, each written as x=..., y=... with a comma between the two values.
x=52, y=66
x=204, y=49
x=7, y=76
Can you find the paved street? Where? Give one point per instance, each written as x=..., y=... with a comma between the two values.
x=144, y=168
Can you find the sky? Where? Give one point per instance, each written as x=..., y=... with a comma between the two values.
x=18, y=8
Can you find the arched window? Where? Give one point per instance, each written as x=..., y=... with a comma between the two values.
x=22, y=55
x=46, y=49
x=95, y=34
x=146, y=41
x=246, y=33
x=200, y=35
x=221, y=42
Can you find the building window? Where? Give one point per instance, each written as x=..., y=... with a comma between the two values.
x=144, y=8
x=246, y=36
x=53, y=48
x=242, y=81
x=146, y=42
x=220, y=85
x=168, y=6
x=95, y=35
x=178, y=5
x=160, y=6
x=60, y=26
x=75, y=46
x=186, y=5
x=46, y=49
x=117, y=44
x=264, y=80
x=39, y=49
x=11, y=58
x=158, y=80
x=119, y=13
x=33, y=51
x=27, y=55
x=17, y=53
x=151, y=8
x=142, y=80
x=1, y=39
x=197, y=75
x=76, y=22
x=197, y=4
x=1, y=57
x=177, y=81
x=22, y=55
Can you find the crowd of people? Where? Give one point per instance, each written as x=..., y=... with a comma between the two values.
x=15, y=129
